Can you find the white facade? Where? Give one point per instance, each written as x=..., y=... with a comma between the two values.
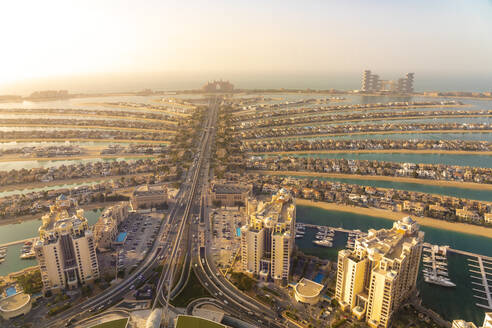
x=66, y=251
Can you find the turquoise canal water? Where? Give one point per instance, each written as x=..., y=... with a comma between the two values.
x=481, y=136
x=448, y=159
x=451, y=303
x=23, y=230
x=484, y=195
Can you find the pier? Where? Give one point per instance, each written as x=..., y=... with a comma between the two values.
x=482, y=263
x=18, y=242
x=314, y=226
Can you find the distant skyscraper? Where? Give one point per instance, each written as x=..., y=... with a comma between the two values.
x=66, y=251
x=371, y=83
x=268, y=238
x=381, y=271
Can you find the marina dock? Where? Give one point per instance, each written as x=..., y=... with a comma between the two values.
x=484, y=293
x=17, y=242
x=314, y=226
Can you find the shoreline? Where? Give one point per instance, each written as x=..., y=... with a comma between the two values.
x=439, y=183
x=389, y=215
x=366, y=151
x=298, y=136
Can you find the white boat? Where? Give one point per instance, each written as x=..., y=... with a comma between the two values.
x=29, y=255
x=299, y=236
x=436, y=280
x=324, y=243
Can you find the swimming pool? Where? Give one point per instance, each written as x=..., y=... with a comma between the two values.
x=319, y=278
x=10, y=291
x=121, y=237
x=238, y=232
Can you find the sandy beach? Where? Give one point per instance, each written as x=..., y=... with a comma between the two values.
x=367, y=151
x=385, y=214
x=441, y=183
x=296, y=136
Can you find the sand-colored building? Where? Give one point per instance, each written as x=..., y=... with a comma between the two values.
x=307, y=291
x=66, y=251
x=267, y=239
x=230, y=194
x=15, y=305
x=148, y=196
x=380, y=273
x=106, y=227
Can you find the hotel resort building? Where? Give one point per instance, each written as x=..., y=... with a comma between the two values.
x=148, y=196
x=268, y=237
x=65, y=251
x=230, y=194
x=379, y=274
x=106, y=227
x=371, y=83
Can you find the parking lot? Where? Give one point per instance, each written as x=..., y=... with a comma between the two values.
x=225, y=241
x=141, y=231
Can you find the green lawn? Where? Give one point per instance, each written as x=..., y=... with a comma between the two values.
x=195, y=322
x=191, y=291
x=120, y=323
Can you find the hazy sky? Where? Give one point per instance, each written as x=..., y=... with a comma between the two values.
x=52, y=38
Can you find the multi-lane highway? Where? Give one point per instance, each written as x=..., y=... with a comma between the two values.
x=169, y=236
x=175, y=242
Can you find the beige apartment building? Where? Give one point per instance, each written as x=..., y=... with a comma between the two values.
x=66, y=251
x=230, y=194
x=148, y=196
x=106, y=227
x=380, y=273
x=267, y=239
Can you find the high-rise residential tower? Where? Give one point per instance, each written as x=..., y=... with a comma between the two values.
x=371, y=83
x=66, y=251
x=381, y=272
x=267, y=239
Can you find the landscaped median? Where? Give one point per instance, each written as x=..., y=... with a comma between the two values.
x=119, y=323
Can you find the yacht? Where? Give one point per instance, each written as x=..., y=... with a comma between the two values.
x=437, y=280
x=28, y=255
x=324, y=243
